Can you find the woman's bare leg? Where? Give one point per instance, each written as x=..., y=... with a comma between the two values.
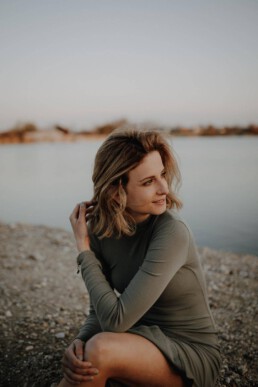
x=130, y=359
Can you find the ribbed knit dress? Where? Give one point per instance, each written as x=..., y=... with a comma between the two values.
x=152, y=284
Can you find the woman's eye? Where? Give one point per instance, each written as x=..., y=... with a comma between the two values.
x=148, y=182
x=163, y=174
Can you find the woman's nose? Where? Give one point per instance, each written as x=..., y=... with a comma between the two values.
x=162, y=187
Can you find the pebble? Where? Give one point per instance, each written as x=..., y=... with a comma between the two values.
x=29, y=348
x=48, y=315
x=60, y=335
x=36, y=257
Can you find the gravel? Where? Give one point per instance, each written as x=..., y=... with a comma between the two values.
x=44, y=302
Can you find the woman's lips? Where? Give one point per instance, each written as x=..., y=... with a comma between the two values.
x=160, y=202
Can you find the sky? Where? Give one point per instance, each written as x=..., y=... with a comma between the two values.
x=83, y=63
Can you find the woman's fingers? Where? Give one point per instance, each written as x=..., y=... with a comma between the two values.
x=73, y=366
x=78, y=349
x=75, y=370
x=82, y=211
x=75, y=213
x=76, y=375
x=89, y=210
x=76, y=378
x=70, y=359
x=78, y=214
x=90, y=203
x=68, y=379
x=89, y=207
x=78, y=219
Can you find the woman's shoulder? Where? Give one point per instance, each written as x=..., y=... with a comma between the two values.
x=172, y=223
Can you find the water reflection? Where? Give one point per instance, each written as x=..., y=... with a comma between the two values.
x=41, y=183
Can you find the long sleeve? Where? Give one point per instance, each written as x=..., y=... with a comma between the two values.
x=166, y=254
x=91, y=326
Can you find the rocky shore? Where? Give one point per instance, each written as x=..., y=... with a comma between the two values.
x=29, y=133
x=43, y=303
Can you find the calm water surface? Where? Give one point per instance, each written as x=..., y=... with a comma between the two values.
x=41, y=183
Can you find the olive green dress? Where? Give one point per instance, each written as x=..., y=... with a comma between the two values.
x=152, y=284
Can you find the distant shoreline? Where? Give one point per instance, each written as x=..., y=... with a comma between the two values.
x=30, y=133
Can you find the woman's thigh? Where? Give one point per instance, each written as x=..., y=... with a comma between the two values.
x=131, y=359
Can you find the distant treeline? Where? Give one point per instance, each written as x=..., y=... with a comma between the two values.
x=29, y=132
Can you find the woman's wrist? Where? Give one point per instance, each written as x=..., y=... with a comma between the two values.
x=83, y=245
x=83, y=248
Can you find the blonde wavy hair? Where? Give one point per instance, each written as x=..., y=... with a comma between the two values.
x=121, y=152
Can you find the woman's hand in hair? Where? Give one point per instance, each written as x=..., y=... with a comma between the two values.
x=75, y=369
x=79, y=225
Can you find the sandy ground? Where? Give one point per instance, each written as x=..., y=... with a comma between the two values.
x=43, y=303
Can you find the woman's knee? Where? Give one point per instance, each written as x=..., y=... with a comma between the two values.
x=98, y=349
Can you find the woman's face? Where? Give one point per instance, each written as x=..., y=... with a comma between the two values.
x=147, y=188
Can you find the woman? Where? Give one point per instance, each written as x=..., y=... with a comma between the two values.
x=149, y=322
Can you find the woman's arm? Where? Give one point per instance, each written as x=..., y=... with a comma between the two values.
x=167, y=253
x=75, y=368
x=91, y=326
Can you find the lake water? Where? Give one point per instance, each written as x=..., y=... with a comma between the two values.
x=41, y=183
